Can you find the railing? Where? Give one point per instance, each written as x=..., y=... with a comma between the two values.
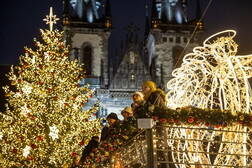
x=166, y=146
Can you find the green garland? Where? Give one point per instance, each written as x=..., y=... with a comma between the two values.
x=188, y=115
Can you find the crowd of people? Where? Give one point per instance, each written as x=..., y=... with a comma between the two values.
x=150, y=96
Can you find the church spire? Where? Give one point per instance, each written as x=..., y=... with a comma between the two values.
x=147, y=24
x=66, y=16
x=154, y=16
x=108, y=9
x=108, y=20
x=199, y=22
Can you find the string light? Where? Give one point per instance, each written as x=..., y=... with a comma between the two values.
x=44, y=123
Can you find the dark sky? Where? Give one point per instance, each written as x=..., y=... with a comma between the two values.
x=22, y=19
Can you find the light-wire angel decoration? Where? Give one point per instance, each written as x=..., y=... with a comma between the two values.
x=213, y=77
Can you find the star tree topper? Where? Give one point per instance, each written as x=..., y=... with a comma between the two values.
x=51, y=19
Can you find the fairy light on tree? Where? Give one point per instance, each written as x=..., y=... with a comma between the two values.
x=44, y=123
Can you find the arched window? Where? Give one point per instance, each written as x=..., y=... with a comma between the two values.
x=87, y=59
x=177, y=58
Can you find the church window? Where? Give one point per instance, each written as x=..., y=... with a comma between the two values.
x=170, y=39
x=178, y=40
x=132, y=58
x=185, y=40
x=164, y=39
x=132, y=77
x=87, y=59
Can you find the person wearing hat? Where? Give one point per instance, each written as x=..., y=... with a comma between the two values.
x=152, y=95
x=129, y=122
x=138, y=100
x=157, y=97
x=113, y=128
x=127, y=112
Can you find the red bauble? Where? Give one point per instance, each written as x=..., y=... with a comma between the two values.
x=111, y=148
x=163, y=120
x=217, y=126
x=33, y=146
x=190, y=119
x=32, y=117
x=15, y=150
x=171, y=120
x=30, y=158
x=207, y=124
x=39, y=138
x=98, y=159
x=81, y=143
x=155, y=118
x=74, y=154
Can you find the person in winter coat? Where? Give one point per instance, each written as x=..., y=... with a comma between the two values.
x=152, y=95
x=113, y=128
x=92, y=144
x=138, y=100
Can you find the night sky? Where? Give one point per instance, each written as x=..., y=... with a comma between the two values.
x=22, y=19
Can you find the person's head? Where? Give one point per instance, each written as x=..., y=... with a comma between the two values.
x=137, y=96
x=111, y=118
x=126, y=112
x=95, y=138
x=148, y=86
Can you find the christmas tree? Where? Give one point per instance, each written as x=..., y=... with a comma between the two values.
x=44, y=125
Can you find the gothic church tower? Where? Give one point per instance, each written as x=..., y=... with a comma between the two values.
x=170, y=36
x=87, y=27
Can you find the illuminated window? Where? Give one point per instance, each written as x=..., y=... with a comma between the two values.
x=132, y=77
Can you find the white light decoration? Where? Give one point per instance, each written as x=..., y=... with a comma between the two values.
x=26, y=151
x=54, y=132
x=27, y=89
x=212, y=76
x=51, y=19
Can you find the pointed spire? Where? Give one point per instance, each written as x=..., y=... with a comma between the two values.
x=154, y=16
x=66, y=13
x=199, y=23
x=198, y=11
x=108, y=9
x=154, y=12
x=147, y=24
x=107, y=15
x=65, y=7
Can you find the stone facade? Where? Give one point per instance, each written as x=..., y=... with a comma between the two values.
x=165, y=40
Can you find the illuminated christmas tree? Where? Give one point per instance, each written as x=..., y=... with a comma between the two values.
x=44, y=125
